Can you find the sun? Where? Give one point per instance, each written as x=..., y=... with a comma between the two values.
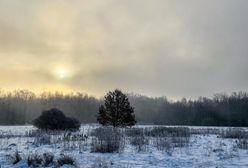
x=61, y=75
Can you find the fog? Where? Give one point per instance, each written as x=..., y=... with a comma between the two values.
x=157, y=48
x=22, y=107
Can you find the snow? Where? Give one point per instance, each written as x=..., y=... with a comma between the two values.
x=67, y=166
x=21, y=164
x=204, y=150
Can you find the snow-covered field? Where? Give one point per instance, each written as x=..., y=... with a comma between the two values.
x=139, y=146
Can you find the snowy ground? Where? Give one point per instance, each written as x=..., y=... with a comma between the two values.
x=205, y=148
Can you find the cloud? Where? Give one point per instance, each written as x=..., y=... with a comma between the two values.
x=160, y=47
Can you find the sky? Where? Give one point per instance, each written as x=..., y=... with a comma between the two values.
x=172, y=48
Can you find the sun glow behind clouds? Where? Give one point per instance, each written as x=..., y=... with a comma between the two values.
x=149, y=47
x=61, y=73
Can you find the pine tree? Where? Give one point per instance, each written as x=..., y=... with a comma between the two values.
x=117, y=110
x=103, y=118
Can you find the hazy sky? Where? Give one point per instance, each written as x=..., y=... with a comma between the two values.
x=171, y=48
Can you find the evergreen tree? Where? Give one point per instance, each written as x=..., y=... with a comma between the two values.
x=103, y=118
x=117, y=110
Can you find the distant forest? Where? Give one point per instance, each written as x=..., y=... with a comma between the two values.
x=21, y=107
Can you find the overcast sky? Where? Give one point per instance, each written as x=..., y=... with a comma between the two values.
x=170, y=48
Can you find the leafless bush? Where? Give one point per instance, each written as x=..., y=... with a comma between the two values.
x=9, y=134
x=169, y=142
x=35, y=160
x=107, y=140
x=242, y=143
x=205, y=131
x=38, y=132
x=139, y=142
x=102, y=131
x=73, y=140
x=65, y=159
x=109, y=145
x=44, y=139
x=180, y=141
x=101, y=163
x=45, y=160
x=16, y=158
x=70, y=140
x=134, y=132
x=70, y=136
x=48, y=159
x=33, y=133
x=234, y=133
x=163, y=143
x=168, y=132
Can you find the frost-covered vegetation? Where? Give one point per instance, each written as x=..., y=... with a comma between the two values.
x=140, y=146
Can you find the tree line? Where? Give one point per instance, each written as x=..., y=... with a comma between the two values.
x=22, y=107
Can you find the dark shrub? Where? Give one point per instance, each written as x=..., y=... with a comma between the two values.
x=35, y=160
x=48, y=159
x=65, y=160
x=55, y=119
x=72, y=124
